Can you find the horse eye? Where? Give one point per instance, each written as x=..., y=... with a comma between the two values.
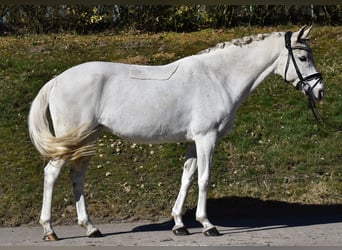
x=302, y=58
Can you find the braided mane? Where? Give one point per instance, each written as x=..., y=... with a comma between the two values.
x=240, y=42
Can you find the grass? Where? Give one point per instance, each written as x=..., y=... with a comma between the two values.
x=276, y=151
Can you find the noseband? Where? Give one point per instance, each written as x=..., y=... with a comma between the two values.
x=303, y=81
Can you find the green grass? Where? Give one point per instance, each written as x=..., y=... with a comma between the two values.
x=276, y=151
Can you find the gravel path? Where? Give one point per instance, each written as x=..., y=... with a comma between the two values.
x=238, y=231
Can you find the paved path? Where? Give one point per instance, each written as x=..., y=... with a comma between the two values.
x=256, y=231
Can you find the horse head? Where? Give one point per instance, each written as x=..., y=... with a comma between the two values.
x=297, y=65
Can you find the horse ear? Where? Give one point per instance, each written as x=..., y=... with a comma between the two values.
x=300, y=33
x=306, y=33
x=303, y=34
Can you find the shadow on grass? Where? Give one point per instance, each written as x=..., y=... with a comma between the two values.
x=251, y=214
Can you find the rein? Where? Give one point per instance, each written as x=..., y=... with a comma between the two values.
x=303, y=83
x=319, y=118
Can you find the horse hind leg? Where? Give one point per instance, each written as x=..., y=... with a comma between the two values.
x=51, y=174
x=78, y=173
x=189, y=169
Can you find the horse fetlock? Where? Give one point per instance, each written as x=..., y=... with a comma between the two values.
x=46, y=224
x=49, y=234
x=205, y=222
x=177, y=217
x=91, y=230
x=83, y=223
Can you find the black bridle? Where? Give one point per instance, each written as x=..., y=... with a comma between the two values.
x=303, y=83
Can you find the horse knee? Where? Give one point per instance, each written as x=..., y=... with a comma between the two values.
x=203, y=185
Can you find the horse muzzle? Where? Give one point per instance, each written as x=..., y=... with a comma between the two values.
x=317, y=90
x=312, y=87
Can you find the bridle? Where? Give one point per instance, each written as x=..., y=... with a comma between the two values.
x=303, y=83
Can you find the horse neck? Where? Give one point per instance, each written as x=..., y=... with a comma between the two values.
x=246, y=66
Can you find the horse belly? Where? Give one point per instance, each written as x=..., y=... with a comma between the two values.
x=145, y=113
x=146, y=127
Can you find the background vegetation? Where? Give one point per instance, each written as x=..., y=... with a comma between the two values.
x=157, y=18
x=275, y=153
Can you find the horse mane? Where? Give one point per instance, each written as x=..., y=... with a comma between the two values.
x=239, y=42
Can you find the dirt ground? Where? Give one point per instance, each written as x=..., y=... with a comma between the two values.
x=304, y=230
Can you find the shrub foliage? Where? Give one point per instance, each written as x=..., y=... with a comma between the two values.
x=156, y=18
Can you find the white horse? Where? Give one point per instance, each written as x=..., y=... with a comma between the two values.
x=194, y=99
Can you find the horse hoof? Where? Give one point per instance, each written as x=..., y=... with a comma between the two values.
x=181, y=231
x=212, y=232
x=95, y=234
x=50, y=237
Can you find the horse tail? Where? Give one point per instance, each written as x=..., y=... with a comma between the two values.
x=71, y=146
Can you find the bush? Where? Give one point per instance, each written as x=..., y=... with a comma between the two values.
x=157, y=18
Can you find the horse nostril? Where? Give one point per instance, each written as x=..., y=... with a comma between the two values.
x=320, y=94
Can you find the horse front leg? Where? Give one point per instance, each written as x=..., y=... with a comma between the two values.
x=51, y=174
x=205, y=146
x=78, y=173
x=189, y=169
